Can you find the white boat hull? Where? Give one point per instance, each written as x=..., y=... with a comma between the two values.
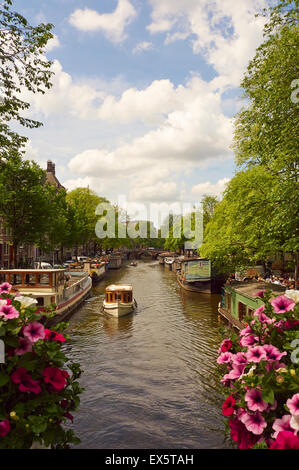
x=118, y=309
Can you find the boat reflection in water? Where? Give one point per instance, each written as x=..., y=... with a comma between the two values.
x=114, y=326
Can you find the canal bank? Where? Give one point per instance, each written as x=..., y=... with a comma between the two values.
x=150, y=378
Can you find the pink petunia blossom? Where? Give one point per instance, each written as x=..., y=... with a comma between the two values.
x=273, y=353
x=256, y=354
x=241, y=435
x=236, y=372
x=4, y=427
x=34, y=331
x=224, y=358
x=225, y=345
x=293, y=404
x=250, y=340
x=263, y=318
x=259, y=293
x=26, y=383
x=5, y=288
x=25, y=346
x=8, y=312
x=254, y=400
x=246, y=331
x=239, y=359
x=282, y=424
x=259, y=310
x=254, y=422
x=282, y=304
x=285, y=440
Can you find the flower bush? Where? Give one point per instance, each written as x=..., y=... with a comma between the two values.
x=261, y=375
x=38, y=384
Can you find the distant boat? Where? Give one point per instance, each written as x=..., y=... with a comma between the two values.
x=168, y=261
x=133, y=263
x=115, y=261
x=198, y=275
x=119, y=300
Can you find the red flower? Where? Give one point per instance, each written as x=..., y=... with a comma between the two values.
x=69, y=416
x=4, y=427
x=55, y=377
x=226, y=345
x=54, y=336
x=228, y=406
x=285, y=440
x=25, y=381
x=241, y=435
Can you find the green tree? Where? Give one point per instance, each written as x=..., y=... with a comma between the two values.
x=22, y=67
x=24, y=201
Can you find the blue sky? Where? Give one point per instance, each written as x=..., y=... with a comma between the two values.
x=143, y=94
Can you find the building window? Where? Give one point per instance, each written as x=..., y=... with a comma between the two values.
x=241, y=310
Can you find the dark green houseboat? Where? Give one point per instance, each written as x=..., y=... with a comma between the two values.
x=238, y=300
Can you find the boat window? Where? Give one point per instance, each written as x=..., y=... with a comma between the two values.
x=227, y=301
x=3, y=277
x=241, y=310
x=40, y=301
x=43, y=279
x=16, y=279
x=30, y=279
x=250, y=311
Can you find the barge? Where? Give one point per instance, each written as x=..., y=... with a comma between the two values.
x=197, y=275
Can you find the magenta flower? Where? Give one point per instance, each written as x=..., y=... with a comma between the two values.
x=250, y=340
x=224, y=358
x=254, y=400
x=4, y=427
x=240, y=434
x=34, y=331
x=272, y=353
x=25, y=346
x=293, y=404
x=246, y=331
x=5, y=288
x=254, y=422
x=263, y=318
x=285, y=440
x=282, y=304
x=259, y=293
x=239, y=359
x=25, y=381
x=256, y=354
x=282, y=424
x=8, y=312
x=225, y=345
x=236, y=372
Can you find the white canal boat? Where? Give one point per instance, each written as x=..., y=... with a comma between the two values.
x=119, y=300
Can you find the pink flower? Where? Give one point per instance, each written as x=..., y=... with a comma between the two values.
x=259, y=293
x=282, y=304
x=293, y=404
x=236, y=372
x=54, y=336
x=250, y=340
x=259, y=310
x=254, y=422
x=272, y=353
x=34, y=331
x=25, y=381
x=239, y=359
x=5, y=288
x=4, y=427
x=55, y=377
x=263, y=318
x=254, y=400
x=224, y=358
x=228, y=406
x=246, y=331
x=282, y=424
x=9, y=312
x=25, y=346
x=256, y=354
x=285, y=440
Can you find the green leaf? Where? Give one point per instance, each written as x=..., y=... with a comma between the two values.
x=4, y=379
x=268, y=396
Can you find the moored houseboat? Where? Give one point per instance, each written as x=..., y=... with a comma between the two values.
x=238, y=300
x=168, y=262
x=198, y=275
x=166, y=254
x=95, y=269
x=65, y=290
x=119, y=300
x=115, y=261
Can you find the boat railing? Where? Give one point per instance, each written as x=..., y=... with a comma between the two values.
x=76, y=287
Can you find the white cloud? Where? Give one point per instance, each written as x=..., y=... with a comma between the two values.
x=215, y=189
x=143, y=46
x=226, y=34
x=111, y=24
x=52, y=43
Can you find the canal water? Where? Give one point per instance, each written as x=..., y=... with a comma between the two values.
x=150, y=377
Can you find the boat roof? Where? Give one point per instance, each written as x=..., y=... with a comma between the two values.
x=114, y=287
x=251, y=288
x=39, y=270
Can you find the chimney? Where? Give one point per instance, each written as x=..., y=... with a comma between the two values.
x=50, y=167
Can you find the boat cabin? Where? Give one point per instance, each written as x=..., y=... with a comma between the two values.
x=123, y=294
x=238, y=300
